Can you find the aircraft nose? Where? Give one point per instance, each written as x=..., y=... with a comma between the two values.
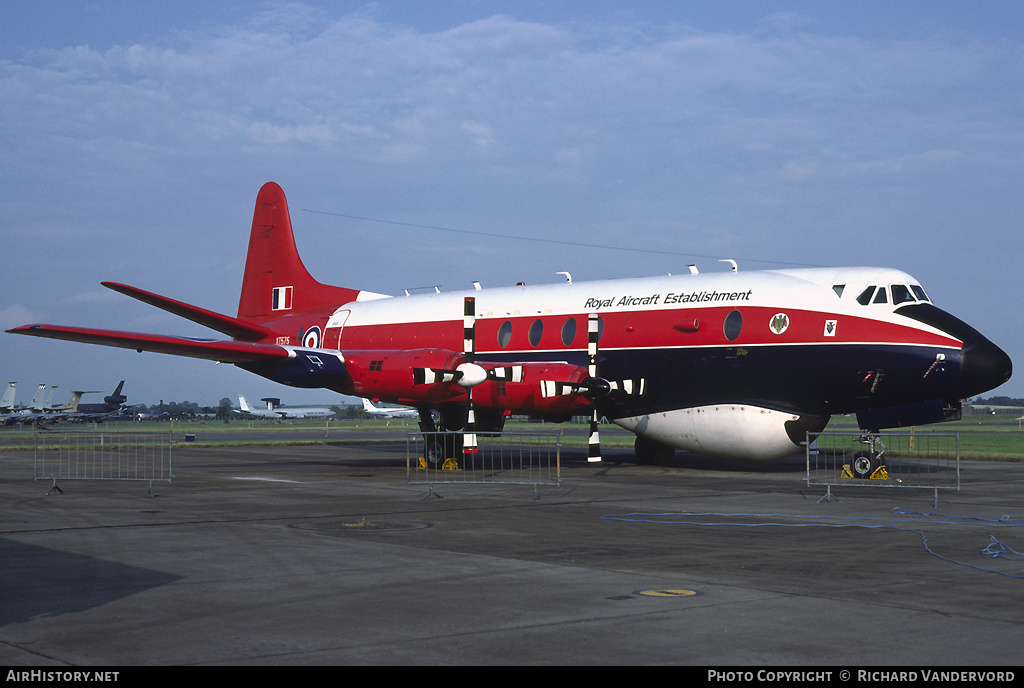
x=983, y=366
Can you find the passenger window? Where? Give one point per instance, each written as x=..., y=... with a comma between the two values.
x=865, y=296
x=504, y=334
x=901, y=294
x=881, y=296
x=569, y=331
x=536, y=331
x=733, y=325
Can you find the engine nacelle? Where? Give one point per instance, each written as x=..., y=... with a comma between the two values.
x=401, y=374
x=536, y=388
x=728, y=430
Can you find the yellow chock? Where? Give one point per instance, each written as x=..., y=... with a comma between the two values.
x=847, y=473
x=880, y=474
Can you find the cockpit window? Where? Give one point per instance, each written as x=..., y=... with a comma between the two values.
x=838, y=289
x=865, y=296
x=901, y=294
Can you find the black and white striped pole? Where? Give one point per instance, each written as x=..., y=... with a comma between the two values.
x=593, y=332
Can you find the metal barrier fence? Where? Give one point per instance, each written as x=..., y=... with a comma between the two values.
x=510, y=458
x=94, y=455
x=915, y=460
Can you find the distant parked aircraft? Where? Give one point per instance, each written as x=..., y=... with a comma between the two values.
x=274, y=411
x=389, y=412
x=89, y=412
x=7, y=402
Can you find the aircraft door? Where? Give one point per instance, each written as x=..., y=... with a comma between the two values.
x=332, y=334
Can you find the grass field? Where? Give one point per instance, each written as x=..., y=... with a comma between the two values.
x=992, y=438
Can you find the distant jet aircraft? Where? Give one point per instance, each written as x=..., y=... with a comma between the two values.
x=389, y=412
x=112, y=404
x=7, y=402
x=35, y=412
x=729, y=364
x=274, y=411
x=297, y=412
x=247, y=410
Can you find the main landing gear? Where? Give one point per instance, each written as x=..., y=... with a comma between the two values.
x=440, y=445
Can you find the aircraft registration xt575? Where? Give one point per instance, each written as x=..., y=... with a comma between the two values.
x=729, y=364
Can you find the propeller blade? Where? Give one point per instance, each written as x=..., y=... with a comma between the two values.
x=469, y=346
x=594, y=444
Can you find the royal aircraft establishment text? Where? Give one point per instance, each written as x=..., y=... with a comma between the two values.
x=670, y=298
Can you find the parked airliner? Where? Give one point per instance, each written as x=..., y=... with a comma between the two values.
x=390, y=411
x=729, y=364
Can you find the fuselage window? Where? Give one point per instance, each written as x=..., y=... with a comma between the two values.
x=733, y=325
x=901, y=294
x=569, y=331
x=881, y=296
x=865, y=296
x=504, y=334
x=536, y=330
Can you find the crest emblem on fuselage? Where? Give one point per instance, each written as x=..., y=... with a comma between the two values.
x=779, y=323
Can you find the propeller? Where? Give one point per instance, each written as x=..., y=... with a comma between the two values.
x=593, y=387
x=471, y=373
x=594, y=443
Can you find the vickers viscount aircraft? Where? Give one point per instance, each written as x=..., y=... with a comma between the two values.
x=730, y=364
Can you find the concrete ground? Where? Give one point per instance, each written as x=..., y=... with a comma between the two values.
x=327, y=555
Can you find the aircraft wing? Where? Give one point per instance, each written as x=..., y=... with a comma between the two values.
x=225, y=351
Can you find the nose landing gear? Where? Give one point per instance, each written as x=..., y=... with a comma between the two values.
x=869, y=464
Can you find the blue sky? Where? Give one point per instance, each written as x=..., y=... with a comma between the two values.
x=136, y=135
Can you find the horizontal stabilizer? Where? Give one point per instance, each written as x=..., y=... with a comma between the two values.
x=232, y=327
x=223, y=350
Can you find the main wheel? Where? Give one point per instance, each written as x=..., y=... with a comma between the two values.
x=440, y=447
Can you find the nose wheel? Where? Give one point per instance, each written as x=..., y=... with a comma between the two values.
x=869, y=462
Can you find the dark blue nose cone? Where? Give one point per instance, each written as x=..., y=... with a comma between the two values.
x=983, y=365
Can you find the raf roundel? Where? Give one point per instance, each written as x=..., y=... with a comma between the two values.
x=311, y=339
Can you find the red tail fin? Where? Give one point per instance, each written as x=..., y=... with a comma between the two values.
x=276, y=282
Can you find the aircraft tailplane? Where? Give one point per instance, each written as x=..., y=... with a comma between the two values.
x=8, y=400
x=276, y=282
